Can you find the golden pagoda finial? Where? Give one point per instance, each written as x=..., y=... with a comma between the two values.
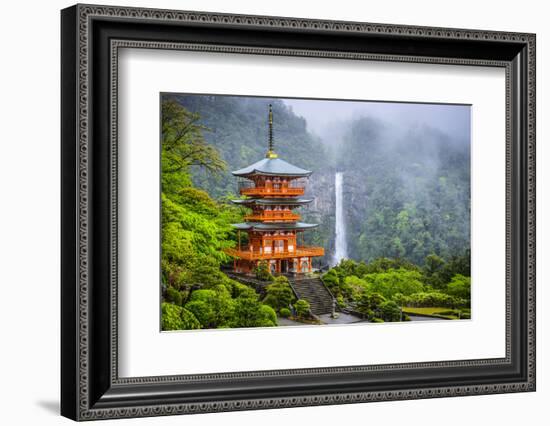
x=270, y=151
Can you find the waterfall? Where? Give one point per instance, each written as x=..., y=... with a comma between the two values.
x=340, y=245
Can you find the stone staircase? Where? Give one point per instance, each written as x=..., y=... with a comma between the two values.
x=314, y=291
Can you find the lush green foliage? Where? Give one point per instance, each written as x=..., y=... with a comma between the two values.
x=390, y=311
x=174, y=296
x=394, y=281
x=285, y=312
x=279, y=294
x=195, y=231
x=459, y=287
x=250, y=313
x=177, y=318
x=262, y=272
x=369, y=305
x=380, y=288
x=302, y=308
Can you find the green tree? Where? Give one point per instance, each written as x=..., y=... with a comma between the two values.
x=262, y=271
x=394, y=281
x=285, y=312
x=183, y=143
x=459, y=287
x=390, y=311
x=435, y=298
x=190, y=321
x=369, y=304
x=171, y=317
x=400, y=299
x=353, y=287
x=203, y=312
x=268, y=317
x=213, y=308
x=433, y=263
x=336, y=282
x=177, y=318
x=250, y=313
x=279, y=294
x=303, y=309
x=331, y=279
x=174, y=296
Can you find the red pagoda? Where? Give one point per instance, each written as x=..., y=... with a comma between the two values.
x=273, y=188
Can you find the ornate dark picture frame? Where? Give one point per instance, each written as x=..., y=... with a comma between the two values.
x=91, y=37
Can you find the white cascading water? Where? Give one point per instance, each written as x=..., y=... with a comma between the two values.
x=340, y=245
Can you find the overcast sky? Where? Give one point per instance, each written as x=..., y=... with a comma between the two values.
x=454, y=120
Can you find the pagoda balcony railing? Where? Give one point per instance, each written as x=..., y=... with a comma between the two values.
x=304, y=251
x=274, y=188
x=273, y=192
x=273, y=216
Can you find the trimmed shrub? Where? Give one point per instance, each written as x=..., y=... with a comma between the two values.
x=394, y=281
x=251, y=313
x=203, y=312
x=302, y=308
x=284, y=312
x=241, y=290
x=369, y=304
x=434, y=298
x=177, y=318
x=279, y=294
x=171, y=317
x=390, y=311
x=262, y=272
x=174, y=296
x=189, y=320
x=459, y=287
x=202, y=295
x=268, y=317
x=331, y=279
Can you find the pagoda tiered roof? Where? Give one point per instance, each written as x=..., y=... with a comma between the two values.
x=272, y=167
x=274, y=226
x=274, y=201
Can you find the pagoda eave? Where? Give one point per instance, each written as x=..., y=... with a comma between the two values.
x=274, y=201
x=274, y=226
x=272, y=167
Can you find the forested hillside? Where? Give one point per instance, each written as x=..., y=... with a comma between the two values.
x=237, y=128
x=408, y=192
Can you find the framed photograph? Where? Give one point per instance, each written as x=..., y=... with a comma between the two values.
x=263, y=212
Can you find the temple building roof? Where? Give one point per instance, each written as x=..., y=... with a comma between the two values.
x=274, y=201
x=259, y=226
x=272, y=167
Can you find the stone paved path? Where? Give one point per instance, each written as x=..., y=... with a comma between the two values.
x=342, y=319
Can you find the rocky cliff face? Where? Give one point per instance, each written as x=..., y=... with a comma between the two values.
x=321, y=188
x=355, y=197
